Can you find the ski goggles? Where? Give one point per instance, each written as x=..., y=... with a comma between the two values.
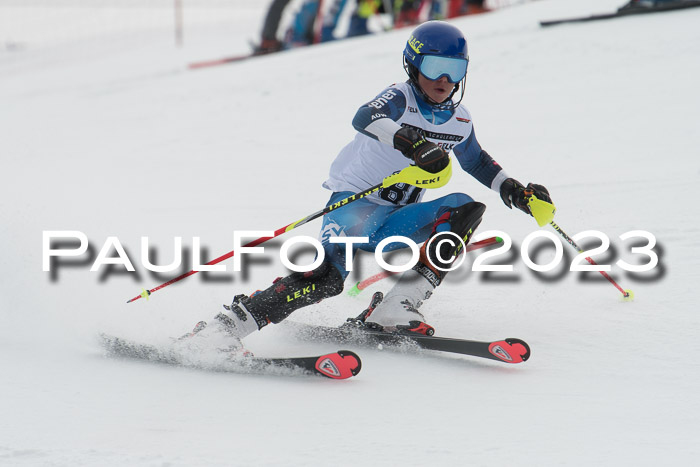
x=435, y=67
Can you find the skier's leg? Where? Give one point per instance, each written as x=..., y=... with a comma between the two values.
x=437, y=220
x=270, y=42
x=249, y=314
x=288, y=294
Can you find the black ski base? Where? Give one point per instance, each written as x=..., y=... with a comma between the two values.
x=626, y=11
x=342, y=364
x=509, y=350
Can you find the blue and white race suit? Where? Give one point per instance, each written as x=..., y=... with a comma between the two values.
x=370, y=156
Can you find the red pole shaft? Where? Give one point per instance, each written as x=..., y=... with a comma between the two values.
x=605, y=274
x=384, y=274
x=221, y=258
x=276, y=233
x=571, y=242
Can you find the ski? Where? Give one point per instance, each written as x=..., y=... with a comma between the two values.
x=342, y=364
x=627, y=11
x=256, y=52
x=509, y=350
x=220, y=61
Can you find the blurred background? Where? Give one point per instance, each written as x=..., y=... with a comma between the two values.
x=236, y=24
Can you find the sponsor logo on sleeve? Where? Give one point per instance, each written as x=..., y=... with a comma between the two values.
x=384, y=99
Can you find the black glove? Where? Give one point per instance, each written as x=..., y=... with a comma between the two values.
x=428, y=156
x=514, y=193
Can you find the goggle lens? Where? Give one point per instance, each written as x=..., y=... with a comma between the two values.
x=434, y=67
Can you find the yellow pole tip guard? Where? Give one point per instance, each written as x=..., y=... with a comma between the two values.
x=146, y=294
x=628, y=296
x=542, y=211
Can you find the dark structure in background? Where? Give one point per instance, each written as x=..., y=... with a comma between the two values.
x=313, y=24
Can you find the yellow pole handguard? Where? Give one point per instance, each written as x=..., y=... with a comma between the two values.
x=414, y=175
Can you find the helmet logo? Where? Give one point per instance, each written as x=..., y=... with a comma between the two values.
x=415, y=44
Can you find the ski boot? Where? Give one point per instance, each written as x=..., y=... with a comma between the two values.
x=226, y=331
x=360, y=321
x=398, y=311
x=413, y=326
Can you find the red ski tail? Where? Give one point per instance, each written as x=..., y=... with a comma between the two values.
x=342, y=364
x=510, y=350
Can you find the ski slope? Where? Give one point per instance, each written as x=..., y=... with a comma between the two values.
x=115, y=138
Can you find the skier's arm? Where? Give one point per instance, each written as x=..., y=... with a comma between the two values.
x=479, y=164
x=377, y=118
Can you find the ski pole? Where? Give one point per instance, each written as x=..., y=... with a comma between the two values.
x=543, y=212
x=411, y=175
x=362, y=285
x=627, y=295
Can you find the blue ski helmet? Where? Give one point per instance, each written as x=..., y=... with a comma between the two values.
x=436, y=49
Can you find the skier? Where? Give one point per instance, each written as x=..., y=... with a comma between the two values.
x=416, y=122
x=299, y=33
x=269, y=42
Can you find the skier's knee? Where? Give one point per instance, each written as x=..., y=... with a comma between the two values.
x=437, y=255
x=462, y=220
x=458, y=199
x=466, y=218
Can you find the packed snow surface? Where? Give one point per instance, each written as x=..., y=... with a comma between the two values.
x=113, y=136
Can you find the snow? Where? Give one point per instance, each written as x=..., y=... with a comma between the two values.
x=113, y=136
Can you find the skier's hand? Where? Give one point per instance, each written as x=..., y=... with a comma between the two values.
x=513, y=193
x=428, y=156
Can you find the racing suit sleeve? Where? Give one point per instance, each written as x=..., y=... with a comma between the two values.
x=479, y=164
x=377, y=118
